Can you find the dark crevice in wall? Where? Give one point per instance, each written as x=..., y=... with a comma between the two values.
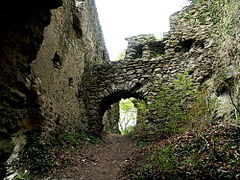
x=139, y=51
x=78, y=94
x=57, y=62
x=225, y=86
x=156, y=47
x=103, y=55
x=77, y=27
x=185, y=45
x=70, y=81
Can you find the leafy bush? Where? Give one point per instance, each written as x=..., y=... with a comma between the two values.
x=177, y=106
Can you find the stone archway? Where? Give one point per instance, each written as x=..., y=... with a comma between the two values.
x=100, y=105
x=110, y=104
x=148, y=62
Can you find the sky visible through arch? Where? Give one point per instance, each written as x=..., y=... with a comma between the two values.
x=124, y=18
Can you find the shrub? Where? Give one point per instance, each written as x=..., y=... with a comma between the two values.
x=176, y=107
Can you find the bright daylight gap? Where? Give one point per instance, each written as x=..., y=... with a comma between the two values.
x=124, y=18
x=128, y=115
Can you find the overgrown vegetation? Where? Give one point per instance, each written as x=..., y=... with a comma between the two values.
x=196, y=147
x=191, y=146
x=212, y=154
x=175, y=108
x=162, y=159
x=121, y=56
x=40, y=155
x=36, y=157
x=200, y=147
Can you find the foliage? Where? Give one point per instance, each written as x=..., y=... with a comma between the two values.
x=186, y=16
x=22, y=176
x=164, y=160
x=127, y=130
x=176, y=108
x=126, y=105
x=161, y=55
x=127, y=116
x=78, y=139
x=121, y=56
x=212, y=153
x=97, y=61
x=37, y=154
x=142, y=129
x=142, y=143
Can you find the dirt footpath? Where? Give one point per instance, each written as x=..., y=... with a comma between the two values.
x=98, y=162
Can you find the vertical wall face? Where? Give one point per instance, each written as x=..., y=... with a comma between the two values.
x=21, y=35
x=45, y=54
x=225, y=82
x=73, y=43
x=111, y=118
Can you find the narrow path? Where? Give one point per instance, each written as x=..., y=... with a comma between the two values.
x=100, y=162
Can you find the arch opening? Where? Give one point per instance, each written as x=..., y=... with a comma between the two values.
x=118, y=112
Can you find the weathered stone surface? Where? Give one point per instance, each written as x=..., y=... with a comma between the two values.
x=111, y=119
x=21, y=36
x=73, y=43
x=69, y=83
x=187, y=47
x=6, y=147
x=41, y=69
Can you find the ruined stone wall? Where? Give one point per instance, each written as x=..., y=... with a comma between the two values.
x=46, y=54
x=73, y=43
x=69, y=83
x=193, y=44
x=224, y=82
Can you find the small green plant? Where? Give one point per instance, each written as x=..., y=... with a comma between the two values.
x=142, y=143
x=37, y=154
x=161, y=162
x=170, y=104
x=160, y=55
x=186, y=16
x=164, y=159
x=127, y=130
x=175, y=108
x=97, y=61
x=22, y=176
x=121, y=56
x=79, y=138
x=71, y=139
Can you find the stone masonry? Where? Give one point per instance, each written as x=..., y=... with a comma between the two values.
x=46, y=52
x=149, y=61
x=72, y=45
x=56, y=77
